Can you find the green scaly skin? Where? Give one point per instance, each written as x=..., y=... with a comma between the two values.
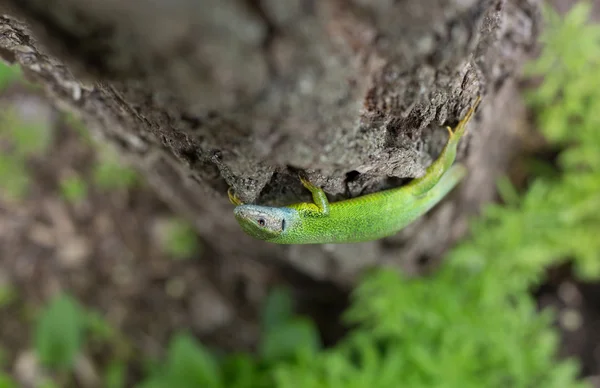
x=365, y=218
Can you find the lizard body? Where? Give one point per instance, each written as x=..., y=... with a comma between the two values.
x=368, y=217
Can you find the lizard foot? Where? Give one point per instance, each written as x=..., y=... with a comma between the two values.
x=307, y=184
x=462, y=125
x=233, y=198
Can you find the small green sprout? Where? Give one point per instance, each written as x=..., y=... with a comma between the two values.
x=179, y=239
x=73, y=188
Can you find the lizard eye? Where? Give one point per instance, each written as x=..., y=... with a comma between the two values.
x=283, y=224
x=261, y=222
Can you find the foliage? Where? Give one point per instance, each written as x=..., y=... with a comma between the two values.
x=561, y=215
x=9, y=74
x=286, y=337
x=59, y=332
x=179, y=239
x=188, y=364
x=73, y=188
x=19, y=140
x=569, y=92
x=114, y=376
x=6, y=381
x=14, y=181
x=8, y=294
x=62, y=331
x=28, y=137
x=110, y=173
x=74, y=122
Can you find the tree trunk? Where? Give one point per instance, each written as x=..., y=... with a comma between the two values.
x=202, y=95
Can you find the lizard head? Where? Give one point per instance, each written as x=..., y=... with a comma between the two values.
x=263, y=222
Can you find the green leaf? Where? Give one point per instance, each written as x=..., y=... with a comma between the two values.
x=239, y=371
x=296, y=337
x=507, y=191
x=28, y=137
x=179, y=239
x=277, y=309
x=114, y=176
x=14, y=178
x=73, y=188
x=98, y=326
x=8, y=294
x=59, y=332
x=48, y=383
x=115, y=374
x=111, y=174
x=9, y=74
x=6, y=381
x=191, y=365
x=75, y=123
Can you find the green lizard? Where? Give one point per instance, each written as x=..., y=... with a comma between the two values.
x=364, y=218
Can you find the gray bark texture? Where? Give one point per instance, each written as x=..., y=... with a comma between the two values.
x=205, y=94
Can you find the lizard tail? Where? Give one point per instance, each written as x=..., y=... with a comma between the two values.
x=448, y=181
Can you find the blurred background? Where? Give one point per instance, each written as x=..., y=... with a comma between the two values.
x=100, y=282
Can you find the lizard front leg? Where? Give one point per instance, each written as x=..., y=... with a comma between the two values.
x=321, y=203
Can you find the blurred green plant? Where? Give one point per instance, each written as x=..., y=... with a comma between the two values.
x=19, y=140
x=108, y=170
x=560, y=216
x=48, y=383
x=64, y=327
x=179, y=239
x=115, y=374
x=6, y=381
x=59, y=332
x=286, y=338
x=98, y=328
x=8, y=294
x=568, y=96
x=73, y=188
x=28, y=137
x=110, y=173
x=285, y=335
x=188, y=364
x=75, y=122
x=9, y=74
x=14, y=178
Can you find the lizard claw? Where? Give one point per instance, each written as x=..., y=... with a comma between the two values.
x=306, y=183
x=233, y=198
x=461, y=126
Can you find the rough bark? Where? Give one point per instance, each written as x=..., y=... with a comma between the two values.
x=202, y=95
